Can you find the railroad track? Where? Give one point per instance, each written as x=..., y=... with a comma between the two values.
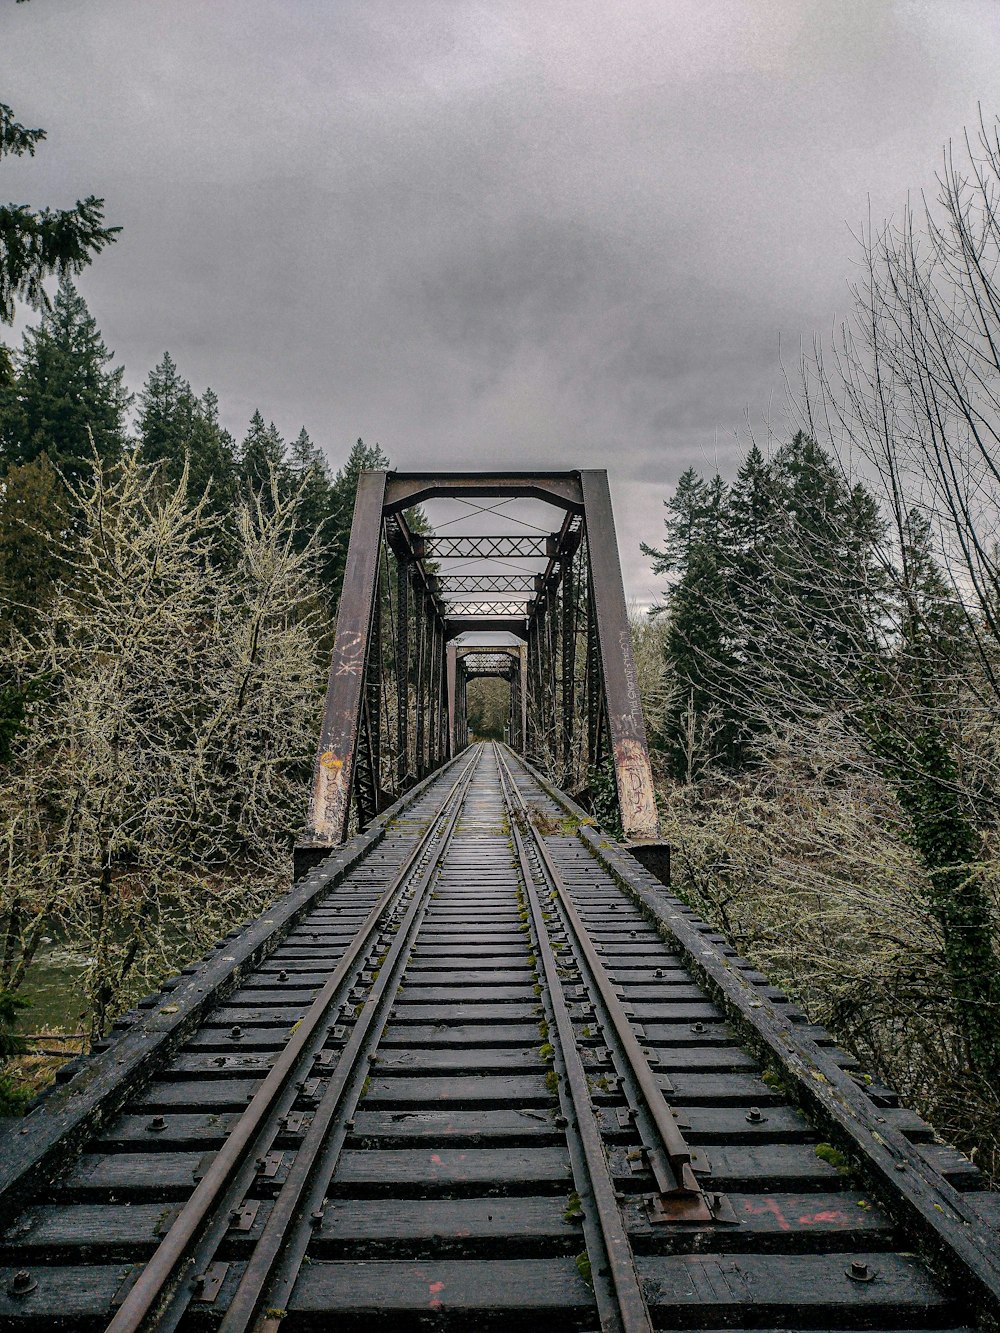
x=480, y=1072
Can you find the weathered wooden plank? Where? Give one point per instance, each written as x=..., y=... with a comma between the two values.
x=396, y=1172
x=707, y=1125
x=463, y=1090
x=521, y=1125
x=195, y=1095
x=756, y=1166
x=76, y=1298
x=461, y=1034
x=510, y=1011
x=149, y=1176
x=127, y=1132
x=495, y=1227
x=459, y=1060
x=414, y=993
x=704, y=1290
x=89, y=1233
x=707, y=1059
x=356, y=1293
x=772, y=1221
x=692, y=1089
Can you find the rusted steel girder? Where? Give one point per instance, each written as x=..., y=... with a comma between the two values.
x=633, y=772
x=333, y=773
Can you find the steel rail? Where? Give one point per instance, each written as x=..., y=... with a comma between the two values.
x=151, y=1287
x=621, y=1303
x=318, y=1149
x=680, y=1194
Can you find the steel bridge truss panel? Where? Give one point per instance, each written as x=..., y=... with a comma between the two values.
x=397, y=698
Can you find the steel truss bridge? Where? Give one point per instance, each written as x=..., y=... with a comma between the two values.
x=480, y=1069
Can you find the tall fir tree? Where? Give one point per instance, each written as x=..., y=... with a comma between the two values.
x=176, y=429
x=311, y=473
x=698, y=724
x=263, y=466
x=68, y=400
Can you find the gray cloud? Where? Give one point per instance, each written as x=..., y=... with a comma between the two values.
x=569, y=234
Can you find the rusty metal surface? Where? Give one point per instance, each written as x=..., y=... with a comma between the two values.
x=633, y=773
x=407, y=489
x=334, y=768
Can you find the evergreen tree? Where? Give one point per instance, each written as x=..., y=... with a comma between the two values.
x=34, y=245
x=67, y=400
x=699, y=724
x=311, y=473
x=816, y=627
x=34, y=513
x=176, y=428
x=263, y=467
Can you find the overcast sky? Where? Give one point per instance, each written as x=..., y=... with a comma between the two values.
x=538, y=234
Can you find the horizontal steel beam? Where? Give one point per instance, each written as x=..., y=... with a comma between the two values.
x=521, y=607
x=491, y=547
x=455, y=625
x=406, y=489
x=504, y=584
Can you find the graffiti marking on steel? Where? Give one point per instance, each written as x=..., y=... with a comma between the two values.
x=635, y=788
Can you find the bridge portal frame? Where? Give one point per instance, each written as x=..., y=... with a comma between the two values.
x=575, y=651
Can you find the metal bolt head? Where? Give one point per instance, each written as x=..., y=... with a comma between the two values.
x=754, y=1116
x=236, y=1032
x=21, y=1283
x=157, y=1124
x=697, y=1027
x=859, y=1271
x=282, y=975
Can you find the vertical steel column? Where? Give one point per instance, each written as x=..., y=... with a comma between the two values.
x=568, y=661
x=452, y=651
x=402, y=674
x=333, y=772
x=420, y=610
x=633, y=773
x=366, y=768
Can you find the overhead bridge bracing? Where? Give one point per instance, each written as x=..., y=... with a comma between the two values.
x=479, y=1069
x=416, y=612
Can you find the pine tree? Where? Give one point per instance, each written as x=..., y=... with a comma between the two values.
x=263, y=467
x=699, y=724
x=816, y=630
x=311, y=474
x=178, y=429
x=35, y=245
x=68, y=402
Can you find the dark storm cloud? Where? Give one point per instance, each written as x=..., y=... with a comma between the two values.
x=563, y=234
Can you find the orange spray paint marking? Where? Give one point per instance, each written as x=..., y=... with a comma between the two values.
x=434, y=1288
x=435, y=1158
x=768, y=1205
x=830, y=1215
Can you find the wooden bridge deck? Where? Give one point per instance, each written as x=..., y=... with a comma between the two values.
x=479, y=1070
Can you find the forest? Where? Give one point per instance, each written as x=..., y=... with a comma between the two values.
x=822, y=675
x=166, y=604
